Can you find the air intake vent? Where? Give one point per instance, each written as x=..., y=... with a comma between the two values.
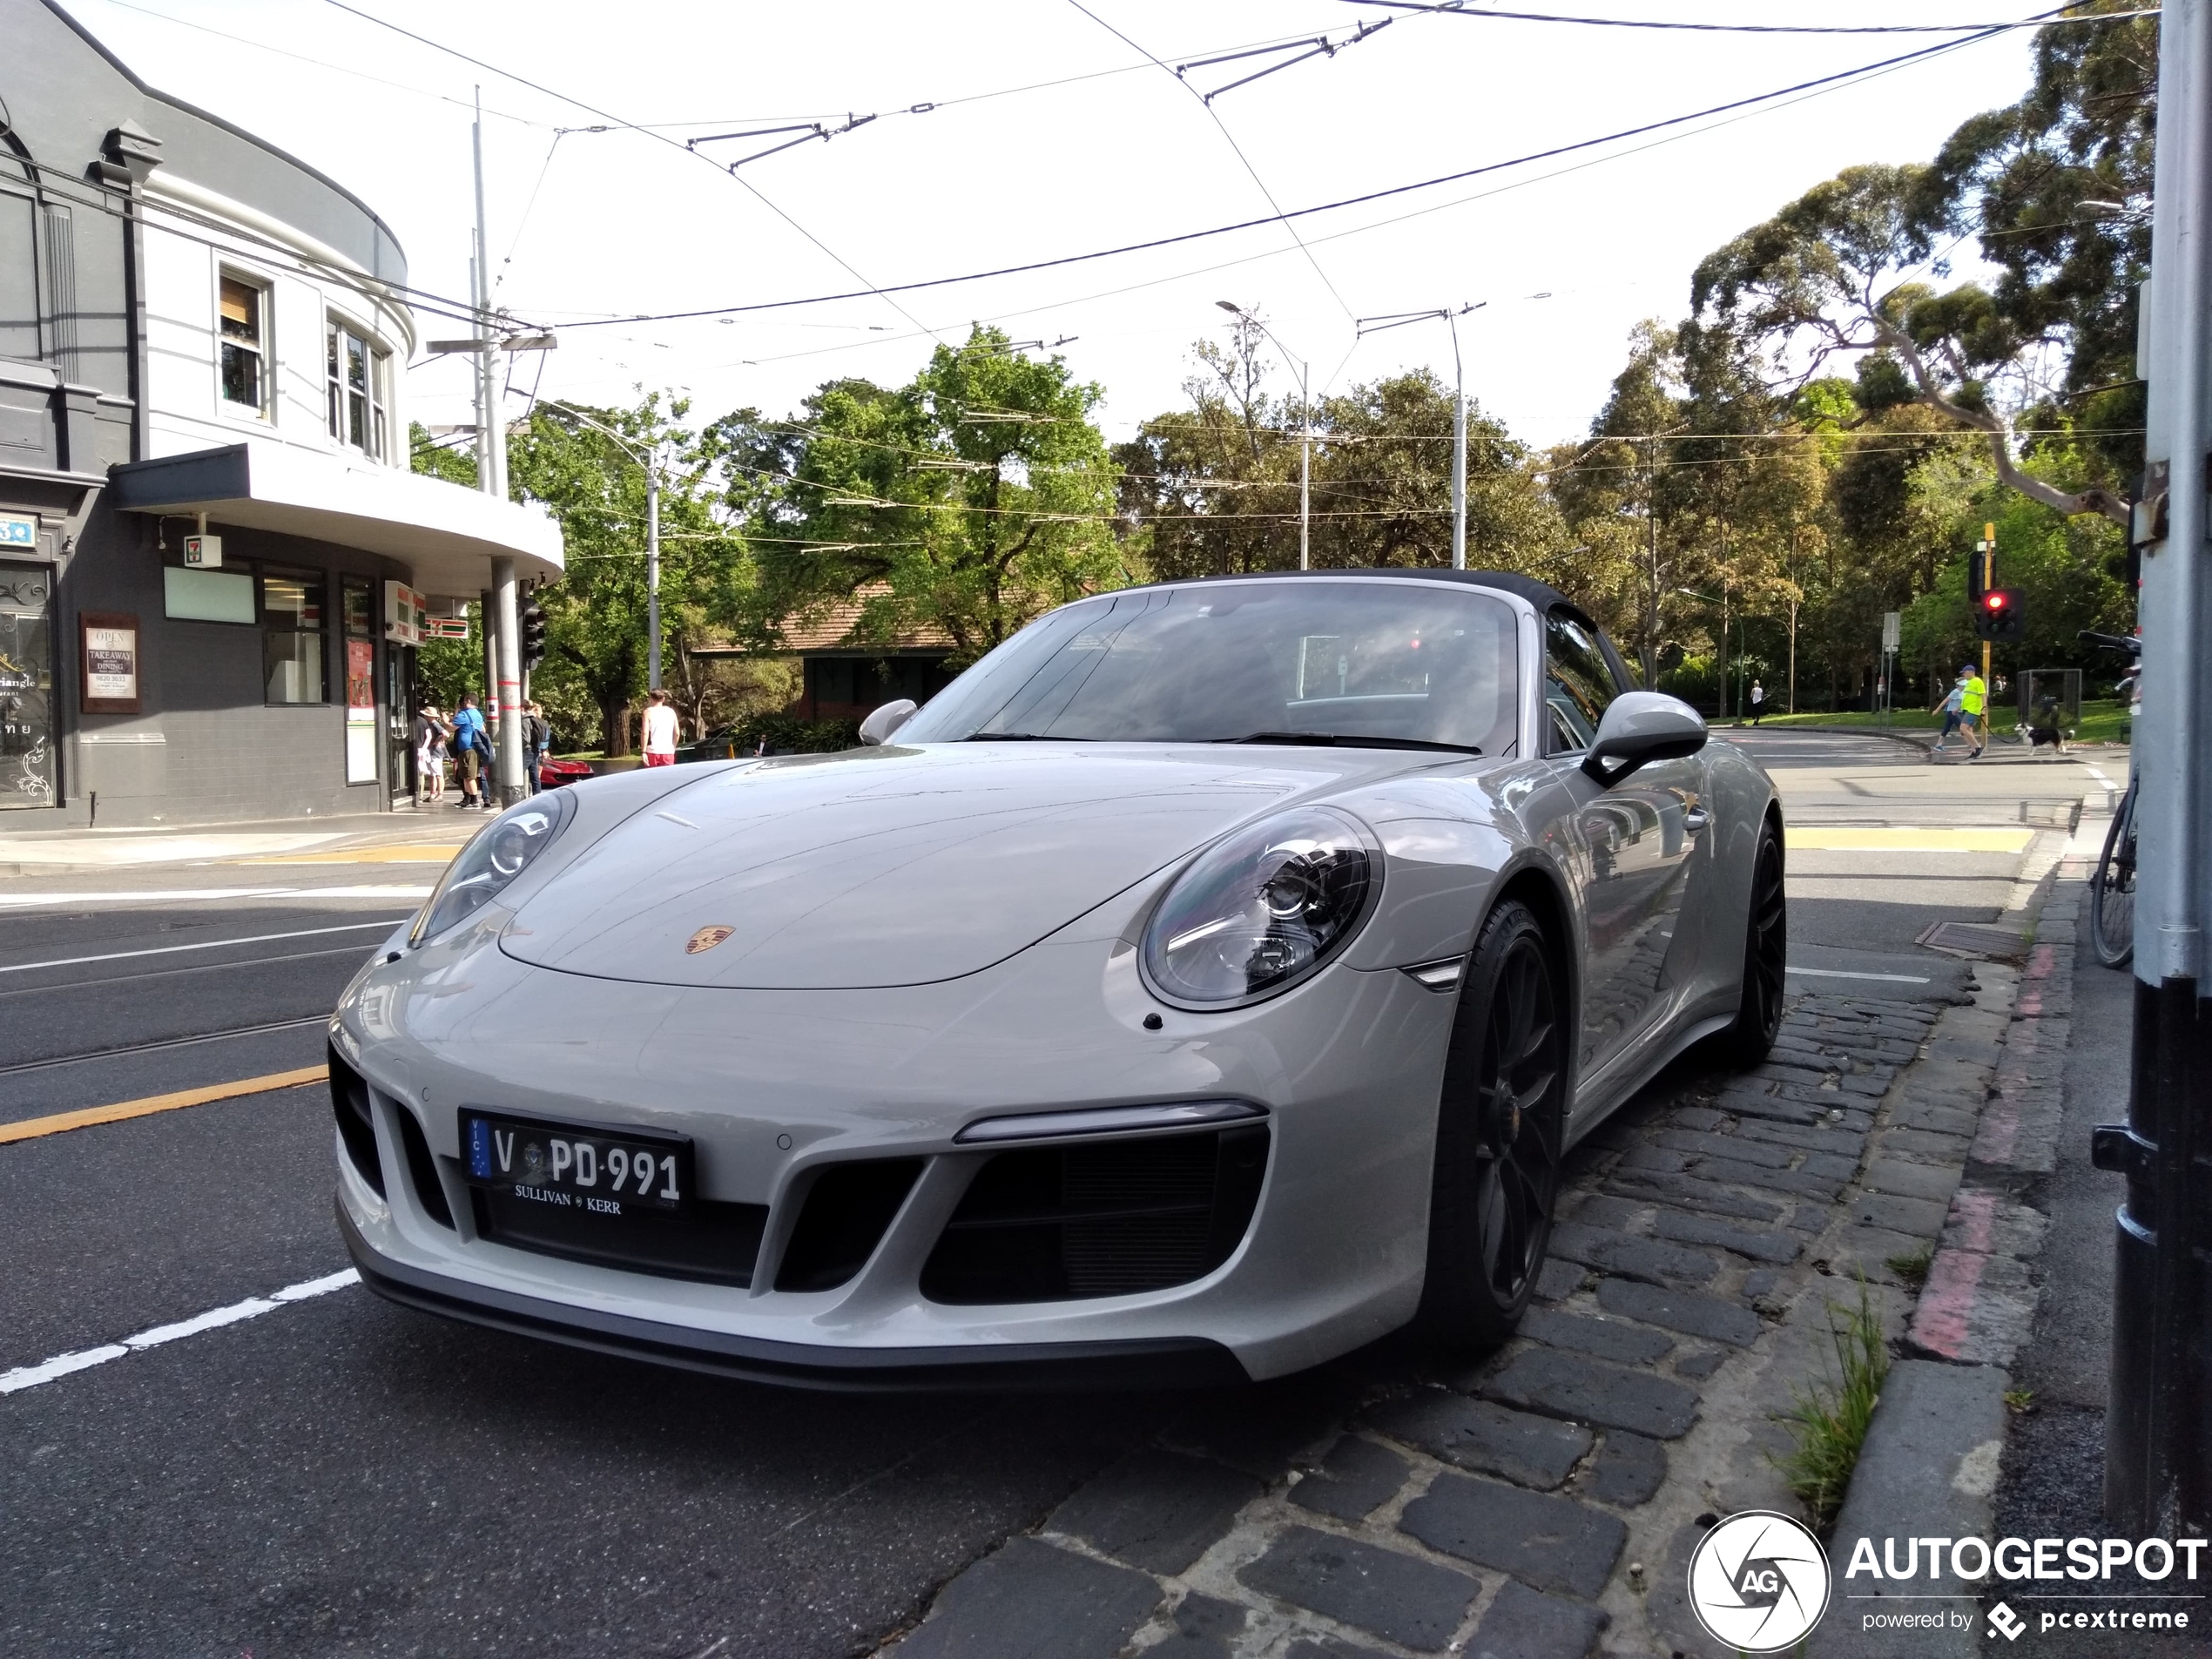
x=1101, y=1219
x=846, y=1210
x=423, y=1169
x=349, y=1102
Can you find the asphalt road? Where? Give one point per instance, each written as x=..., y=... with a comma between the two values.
x=338, y=1476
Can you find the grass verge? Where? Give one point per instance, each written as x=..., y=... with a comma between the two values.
x=1828, y=1422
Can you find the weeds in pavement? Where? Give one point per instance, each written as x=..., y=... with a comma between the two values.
x=2020, y=1401
x=1910, y=1267
x=1828, y=1422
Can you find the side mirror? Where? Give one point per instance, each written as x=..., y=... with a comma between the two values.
x=1640, y=727
x=879, y=727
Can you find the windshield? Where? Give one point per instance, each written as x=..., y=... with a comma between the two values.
x=1266, y=661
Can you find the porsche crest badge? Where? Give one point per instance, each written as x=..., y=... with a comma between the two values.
x=706, y=939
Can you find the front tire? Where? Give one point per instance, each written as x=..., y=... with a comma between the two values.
x=1500, y=1130
x=2111, y=891
x=1766, y=956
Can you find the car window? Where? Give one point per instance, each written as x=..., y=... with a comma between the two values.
x=1223, y=660
x=1578, y=683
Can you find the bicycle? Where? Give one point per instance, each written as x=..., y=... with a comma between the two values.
x=2112, y=884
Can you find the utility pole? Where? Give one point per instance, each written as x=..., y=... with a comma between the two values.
x=652, y=574
x=1366, y=326
x=499, y=624
x=1988, y=551
x=2158, y=1436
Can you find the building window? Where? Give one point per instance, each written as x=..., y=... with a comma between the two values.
x=292, y=630
x=359, y=374
x=244, y=320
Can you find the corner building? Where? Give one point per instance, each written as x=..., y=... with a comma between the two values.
x=215, y=563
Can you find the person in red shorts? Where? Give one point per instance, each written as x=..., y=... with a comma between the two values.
x=660, y=731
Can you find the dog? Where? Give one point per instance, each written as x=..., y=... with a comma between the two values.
x=2046, y=732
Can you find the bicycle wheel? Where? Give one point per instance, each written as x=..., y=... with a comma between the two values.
x=2111, y=889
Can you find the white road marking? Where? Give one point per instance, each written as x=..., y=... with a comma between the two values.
x=210, y=944
x=1837, y=972
x=174, y=895
x=62, y=1364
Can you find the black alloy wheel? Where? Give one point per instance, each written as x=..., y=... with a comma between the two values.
x=1766, y=956
x=1499, y=1134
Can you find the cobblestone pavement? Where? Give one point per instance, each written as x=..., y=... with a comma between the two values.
x=1544, y=1501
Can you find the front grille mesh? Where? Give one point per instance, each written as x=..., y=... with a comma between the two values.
x=1108, y=1218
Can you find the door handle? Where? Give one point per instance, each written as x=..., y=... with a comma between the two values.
x=1696, y=819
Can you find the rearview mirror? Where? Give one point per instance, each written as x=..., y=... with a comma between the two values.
x=879, y=727
x=1640, y=727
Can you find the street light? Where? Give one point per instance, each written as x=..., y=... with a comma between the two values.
x=1305, y=435
x=1397, y=320
x=652, y=467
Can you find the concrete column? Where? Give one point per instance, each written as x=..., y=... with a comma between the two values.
x=507, y=653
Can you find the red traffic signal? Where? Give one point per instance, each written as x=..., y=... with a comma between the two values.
x=2000, y=614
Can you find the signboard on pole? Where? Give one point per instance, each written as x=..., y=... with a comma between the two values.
x=203, y=552
x=405, y=611
x=1892, y=628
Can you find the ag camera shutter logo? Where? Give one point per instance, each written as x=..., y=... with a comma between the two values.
x=1759, y=1581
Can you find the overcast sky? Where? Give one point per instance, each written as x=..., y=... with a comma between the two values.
x=1050, y=137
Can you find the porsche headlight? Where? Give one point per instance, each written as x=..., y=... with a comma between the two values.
x=1262, y=910
x=498, y=853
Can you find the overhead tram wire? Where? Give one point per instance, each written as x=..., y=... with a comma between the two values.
x=1879, y=66
x=1205, y=102
x=871, y=290
x=1459, y=8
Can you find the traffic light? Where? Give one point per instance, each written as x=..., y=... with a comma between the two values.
x=2000, y=614
x=533, y=635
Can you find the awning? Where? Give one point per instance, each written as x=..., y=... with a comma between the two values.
x=445, y=534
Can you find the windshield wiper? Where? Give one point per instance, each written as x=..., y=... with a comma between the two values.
x=1021, y=737
x=1350, y=740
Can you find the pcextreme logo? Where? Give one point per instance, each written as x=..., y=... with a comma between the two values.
x=1759, y=1581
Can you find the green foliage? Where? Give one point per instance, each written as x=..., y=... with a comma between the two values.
x=1214, y=489
x=594, y=674
x=957, y=507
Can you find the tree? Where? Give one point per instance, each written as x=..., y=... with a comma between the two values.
x=1840, y=271
x=2022, y=180
x=595, y=617
x=1214, y=489
x=964, y=503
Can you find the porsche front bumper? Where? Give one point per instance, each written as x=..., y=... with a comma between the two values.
x=776, y=1088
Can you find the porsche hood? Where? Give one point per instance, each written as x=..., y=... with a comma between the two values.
x=896, y=866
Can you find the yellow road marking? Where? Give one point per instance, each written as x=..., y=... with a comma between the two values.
x=32, y=1128
x=1840, y=839
x=399, y=852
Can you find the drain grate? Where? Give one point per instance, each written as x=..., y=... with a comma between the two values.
x=1988, y=941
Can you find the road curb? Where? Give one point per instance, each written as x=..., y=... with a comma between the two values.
x=1930, y=1461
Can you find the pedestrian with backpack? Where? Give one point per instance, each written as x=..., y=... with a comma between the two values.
x=472, y=752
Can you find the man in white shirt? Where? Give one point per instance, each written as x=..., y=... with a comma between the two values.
x=1759, y=701
x=660, y=731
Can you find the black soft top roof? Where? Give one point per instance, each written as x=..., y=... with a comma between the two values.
x=1542, y=595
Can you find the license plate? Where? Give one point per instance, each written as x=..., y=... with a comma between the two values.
x=577, y=1166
